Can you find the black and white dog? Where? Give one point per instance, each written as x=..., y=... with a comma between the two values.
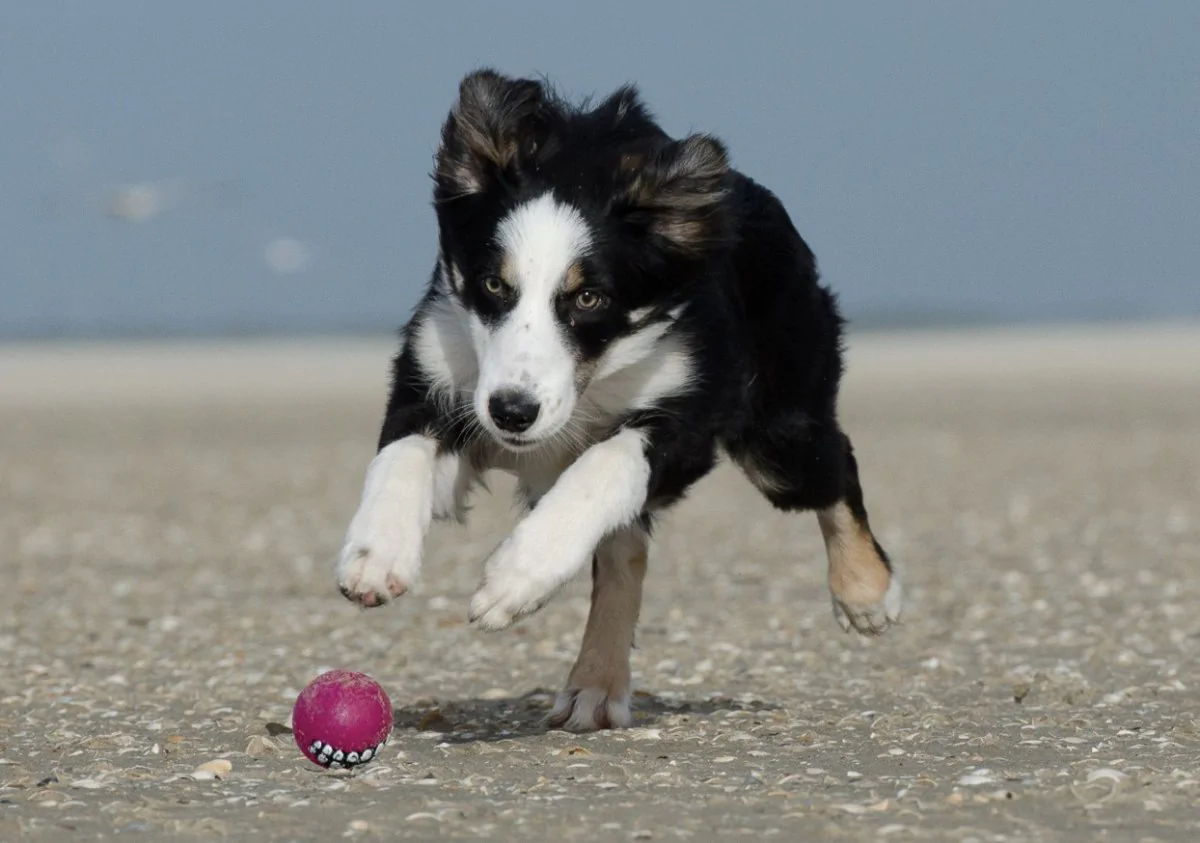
x=611, y=309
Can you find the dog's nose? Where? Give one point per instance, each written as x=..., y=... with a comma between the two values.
x=512, y=410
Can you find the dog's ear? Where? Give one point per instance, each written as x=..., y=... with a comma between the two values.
x=495, y=122
x=676, y=194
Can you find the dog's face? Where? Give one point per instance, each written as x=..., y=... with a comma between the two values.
x=568, y=239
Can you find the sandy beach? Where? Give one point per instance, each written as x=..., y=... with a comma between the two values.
x=169, y=513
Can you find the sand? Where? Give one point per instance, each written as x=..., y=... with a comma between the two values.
x=169, y=513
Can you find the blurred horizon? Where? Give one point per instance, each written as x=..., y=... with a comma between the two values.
x=262, y=169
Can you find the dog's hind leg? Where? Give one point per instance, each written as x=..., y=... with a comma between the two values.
x=812, y=467
x=866, y=591
x=597, y=694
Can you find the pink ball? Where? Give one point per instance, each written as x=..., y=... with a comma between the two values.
x=342, y=719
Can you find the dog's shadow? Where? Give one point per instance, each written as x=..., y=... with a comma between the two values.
x=479, y=720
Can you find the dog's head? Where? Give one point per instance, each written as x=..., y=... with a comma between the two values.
x=570, y=238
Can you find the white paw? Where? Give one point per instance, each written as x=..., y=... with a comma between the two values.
x=871, y=618
x=520, y=577
x=378, y=562
x=591, y=709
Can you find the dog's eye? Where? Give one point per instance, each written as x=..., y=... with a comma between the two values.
x=494, y=286
x=589, y=300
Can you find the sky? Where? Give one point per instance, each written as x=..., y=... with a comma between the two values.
x=945, y=160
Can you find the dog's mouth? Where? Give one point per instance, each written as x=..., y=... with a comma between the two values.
x=516, y=443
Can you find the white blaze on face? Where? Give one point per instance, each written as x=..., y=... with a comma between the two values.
x=526, y=351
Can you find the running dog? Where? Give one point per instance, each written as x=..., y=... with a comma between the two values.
x=610, y=311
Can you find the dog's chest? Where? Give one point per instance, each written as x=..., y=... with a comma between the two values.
x=537, y=471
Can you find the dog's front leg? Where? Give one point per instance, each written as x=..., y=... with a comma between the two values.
x=602, y=491
x=408, y=483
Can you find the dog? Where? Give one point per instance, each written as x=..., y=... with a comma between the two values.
x=612, y=309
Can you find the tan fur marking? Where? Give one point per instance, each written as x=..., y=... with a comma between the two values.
x=856, y=573
x=508, y=270
x=482, y=134
x=616, y=602
x=685, y=191
x=485, y=145
x=686, y=232
x=574, y=278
